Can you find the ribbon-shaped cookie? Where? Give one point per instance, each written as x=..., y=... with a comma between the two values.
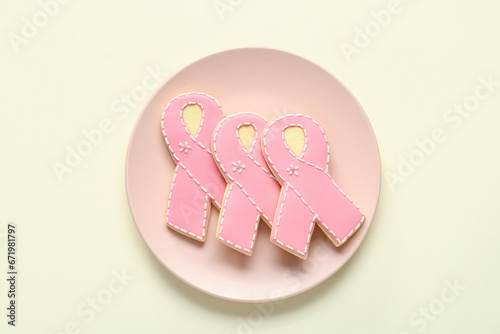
x=196, y=179
x=252, y=191
x=308, y=195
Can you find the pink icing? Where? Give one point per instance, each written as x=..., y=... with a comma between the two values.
x=309, y=195
x=196, y=179
x=252, y=191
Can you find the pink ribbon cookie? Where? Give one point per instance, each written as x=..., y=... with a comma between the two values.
x=196, y=179
x=252, y=191
x=308, y=195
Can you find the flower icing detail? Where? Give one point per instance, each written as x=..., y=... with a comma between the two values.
x=238, y=166
x=184, y=147
x=293, y=169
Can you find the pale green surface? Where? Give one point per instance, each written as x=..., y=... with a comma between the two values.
x=440, y=224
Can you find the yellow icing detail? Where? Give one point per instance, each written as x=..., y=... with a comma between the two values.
x=295, y=138
x=246, y=134
x=192, y=117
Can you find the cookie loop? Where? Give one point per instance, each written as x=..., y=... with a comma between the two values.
x=252, y=191
x=309, y=194
x=196, y=178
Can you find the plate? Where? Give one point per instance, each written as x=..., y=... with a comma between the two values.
x=272, y=83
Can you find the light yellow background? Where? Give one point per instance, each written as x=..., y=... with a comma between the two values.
x=93, y=64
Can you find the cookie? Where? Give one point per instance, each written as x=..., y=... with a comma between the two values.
x=308, y=195
x=252, y=191
x=188, y=123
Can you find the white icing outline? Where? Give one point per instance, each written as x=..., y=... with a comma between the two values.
x=254, y=139
x=201, y=121
x=286, y=144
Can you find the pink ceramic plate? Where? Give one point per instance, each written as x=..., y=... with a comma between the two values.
x=271, y=83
